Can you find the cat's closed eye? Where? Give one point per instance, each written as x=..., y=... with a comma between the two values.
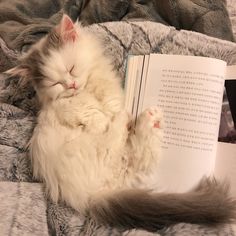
x=57, y=83
x=71, y=70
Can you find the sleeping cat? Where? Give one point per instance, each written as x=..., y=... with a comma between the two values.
x=83, y=151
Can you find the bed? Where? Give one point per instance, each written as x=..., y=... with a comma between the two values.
x=196, y=27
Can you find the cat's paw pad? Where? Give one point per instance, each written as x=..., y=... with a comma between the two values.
x=151, y=118
x=154, y=117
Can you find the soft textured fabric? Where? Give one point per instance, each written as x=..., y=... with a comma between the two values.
x=208, y=17
x=24, y=206
x=231, y=6
x=22, y=22
x=23, y=209
x=18, y=107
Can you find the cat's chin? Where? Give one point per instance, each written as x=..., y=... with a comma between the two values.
x=68, y=94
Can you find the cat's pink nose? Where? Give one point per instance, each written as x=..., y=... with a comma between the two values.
x=73, y=85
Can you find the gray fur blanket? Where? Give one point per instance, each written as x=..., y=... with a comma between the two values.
x=22, y=22
x=24, y=207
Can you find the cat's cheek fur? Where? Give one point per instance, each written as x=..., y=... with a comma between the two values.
x=50, y=93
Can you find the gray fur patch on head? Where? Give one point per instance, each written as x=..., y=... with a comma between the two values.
x=53, y=41
x=35, y=58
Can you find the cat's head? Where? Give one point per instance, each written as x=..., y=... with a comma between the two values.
x=60, y=63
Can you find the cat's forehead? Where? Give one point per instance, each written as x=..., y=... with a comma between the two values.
x=52, y=41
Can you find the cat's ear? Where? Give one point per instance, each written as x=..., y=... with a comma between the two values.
x=67, y=30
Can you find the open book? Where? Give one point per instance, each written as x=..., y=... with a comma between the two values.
x=189, y=90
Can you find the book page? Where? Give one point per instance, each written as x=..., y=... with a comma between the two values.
x=129, y=84
x=189, y=90
x=132, y=85
x=143, y=84
x=138, y=82
x=225, y=167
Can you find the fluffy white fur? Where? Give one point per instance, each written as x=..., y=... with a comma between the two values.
x=81, y=146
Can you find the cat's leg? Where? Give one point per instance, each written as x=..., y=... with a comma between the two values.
x=145, y=142
x=117, y=134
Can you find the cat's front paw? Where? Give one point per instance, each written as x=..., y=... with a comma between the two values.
x=98, y=124
x=150, y=121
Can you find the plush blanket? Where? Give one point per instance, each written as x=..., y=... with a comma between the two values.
x=232, y=13
x=22, y=22
x=24, y=207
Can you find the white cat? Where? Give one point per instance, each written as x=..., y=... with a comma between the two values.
x=82, y=149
